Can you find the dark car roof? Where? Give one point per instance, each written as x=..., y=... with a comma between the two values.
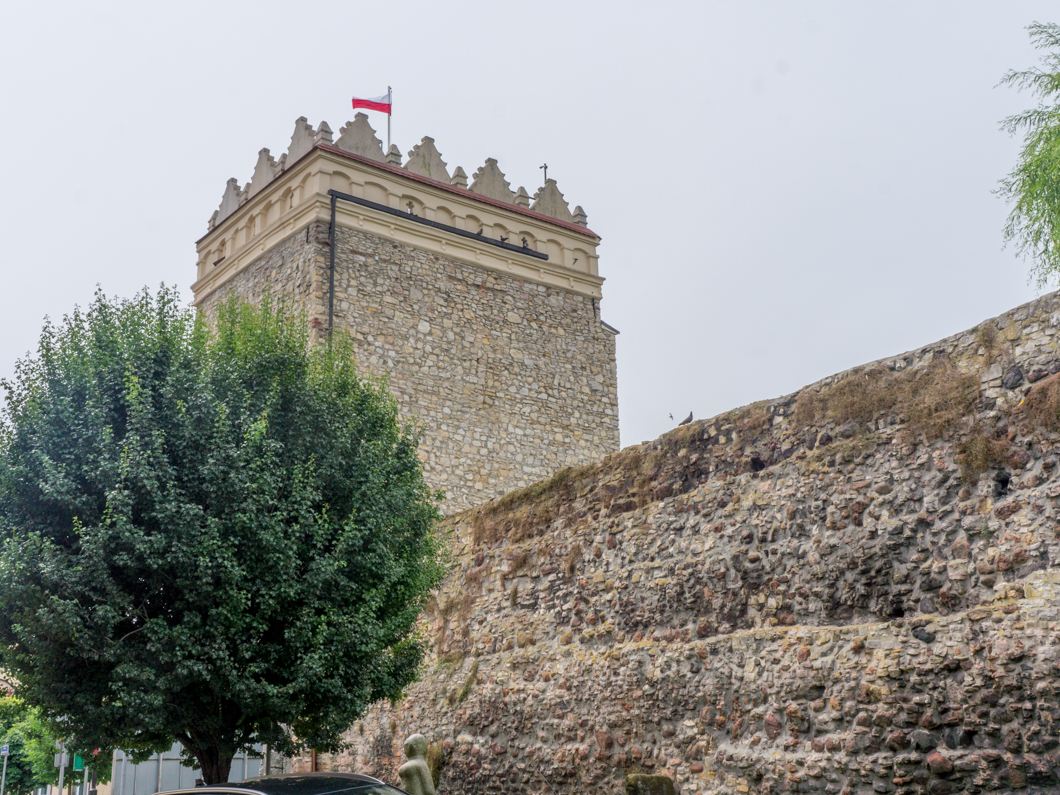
x=306, y=783
x=296, y=784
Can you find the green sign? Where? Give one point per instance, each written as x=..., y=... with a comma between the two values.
x=79, y=763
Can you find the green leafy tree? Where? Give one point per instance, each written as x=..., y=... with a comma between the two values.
x=1033, y=187
x=31, y=747
x=22, y=778
x=214, y=534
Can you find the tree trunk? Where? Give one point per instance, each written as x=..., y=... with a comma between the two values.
x=214, y=763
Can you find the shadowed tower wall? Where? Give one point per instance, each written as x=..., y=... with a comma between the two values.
x=498, y=349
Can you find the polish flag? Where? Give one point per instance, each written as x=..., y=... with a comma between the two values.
x=381, y=104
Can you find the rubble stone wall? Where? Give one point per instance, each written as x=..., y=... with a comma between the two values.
x=295, y=270
x=803, y=595
x=512, y=380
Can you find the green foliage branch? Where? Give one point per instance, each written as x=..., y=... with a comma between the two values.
x=214, y=534
x=31, y=747
x=1033, y=186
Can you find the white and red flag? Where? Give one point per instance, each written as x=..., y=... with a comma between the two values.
x=382, y=104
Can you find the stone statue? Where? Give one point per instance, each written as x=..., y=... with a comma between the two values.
x=416, y=774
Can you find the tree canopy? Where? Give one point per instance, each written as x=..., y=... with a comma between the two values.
x=217, y=533
x=1033, y=187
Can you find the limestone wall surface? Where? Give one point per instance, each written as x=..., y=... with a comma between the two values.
x=296, y=270
x=851, y=589
x=512, y=380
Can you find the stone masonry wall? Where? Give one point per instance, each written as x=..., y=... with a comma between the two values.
x=512, y=380
x=296, y=270
x=852, y=589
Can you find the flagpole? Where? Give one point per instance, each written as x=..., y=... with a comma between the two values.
x=390, y=96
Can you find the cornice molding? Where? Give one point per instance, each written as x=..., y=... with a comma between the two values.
x=298, y=197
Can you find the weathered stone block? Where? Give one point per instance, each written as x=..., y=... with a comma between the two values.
x=643, y=784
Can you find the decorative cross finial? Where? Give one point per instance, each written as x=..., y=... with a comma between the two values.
x=546, y=171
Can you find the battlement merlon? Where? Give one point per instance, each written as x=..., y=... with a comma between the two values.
x=288, y=195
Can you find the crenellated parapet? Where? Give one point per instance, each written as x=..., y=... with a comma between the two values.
x=550, y=201
x=545, y=241
x=358, y=138
x=426, y=160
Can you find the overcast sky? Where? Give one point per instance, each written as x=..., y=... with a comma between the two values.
x=784, y=190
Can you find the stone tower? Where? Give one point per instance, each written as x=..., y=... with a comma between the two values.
x=481, y=303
